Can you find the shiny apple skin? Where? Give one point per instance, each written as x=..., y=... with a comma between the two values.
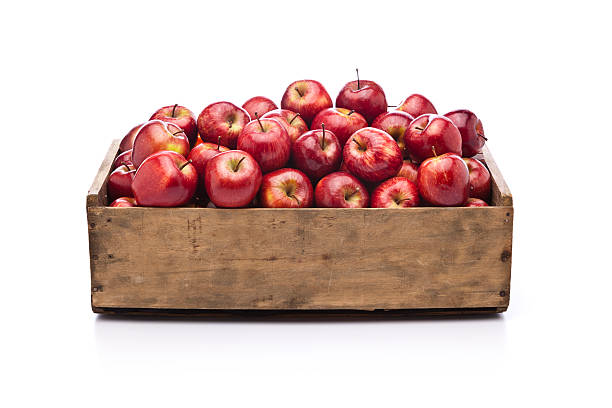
x=315, y=156
x=396, y=124
x=222, y=119
x=343, y=122
x=397, y=192
x=294, y=124
x=366, y=98
x=409, y=170
x=123, y=158
x=202, y=153
x=472, y=132
x=230, y=186
x=270, y=146
x=120, y=182
x=199, y=156
x=480, y=179
x=127, y=143
x=438, y=132
x=160, y=181
x=124, y=202
x=181, y=117
x=417, y=105
x=260, y=105
x=444, y=180
x=306, y=97
x=475, y=202
x=286, y=188
x=156, y=136
x=341, y=190
x=380, y=158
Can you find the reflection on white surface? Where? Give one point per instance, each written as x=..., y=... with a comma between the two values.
x=421, y=344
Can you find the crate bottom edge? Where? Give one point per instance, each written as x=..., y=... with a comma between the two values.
x=277, y=314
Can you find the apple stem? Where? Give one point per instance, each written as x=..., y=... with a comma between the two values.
x=293, y=118
x=392, y=106
x=486, y=140
x=173, y=109
x=323, y=139
x=358, y=144
x=296, y=199
x=218, y=143
x=239, y=163
x=184, y=164
x=434, y=151
x=351, y=112
x=126, y=167
x=419, y=128
x=299, y=93
x=174, y=134
x=358, y=84
x=259, y=121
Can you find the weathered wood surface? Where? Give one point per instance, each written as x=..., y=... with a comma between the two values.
x=96, y=196
x=196, y=258
x=500, y=193
x=200, y=259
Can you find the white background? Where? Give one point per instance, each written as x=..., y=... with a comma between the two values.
x=75, y=75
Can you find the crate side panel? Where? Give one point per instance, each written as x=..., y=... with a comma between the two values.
x=308, y=259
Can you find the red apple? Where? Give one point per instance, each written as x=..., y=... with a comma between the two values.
x=417, y=105
x=286, y=188
x=480, y=179
x=222, y=119
x=475, y=202
x=365, y=97
x=232, y=179
x=156, y=136
x=317, y=153
x=342, y=122
x=124, y=202
x=372, y=155
x=123, y=158
x=165, y=179
x=294, y=124
x=430, y=135
x=267, y=141
x=341, y=190
x=128, y=140
x=306, y=97
x=444, y=180
x=202, y=153
x=199, y=156
x=181, y=117
x=260, y=105
x=396, y=124
x=397, y=192
x=120, y=182
x=408, y=170
x=472, y=133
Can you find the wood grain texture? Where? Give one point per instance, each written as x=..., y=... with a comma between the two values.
x=500, y=193
x=363, y=259
x=96, y=196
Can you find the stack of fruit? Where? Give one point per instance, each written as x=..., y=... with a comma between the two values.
x=357, y=154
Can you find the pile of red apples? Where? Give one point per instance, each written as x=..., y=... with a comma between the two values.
x=308, y=153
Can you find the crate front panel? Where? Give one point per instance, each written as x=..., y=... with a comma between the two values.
x=362, y=259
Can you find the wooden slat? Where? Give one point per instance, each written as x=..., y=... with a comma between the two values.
x=500, y=193
x=336, y=315
x=96, y=195
x=311, y=259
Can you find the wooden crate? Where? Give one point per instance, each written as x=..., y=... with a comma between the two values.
x=261, y=262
